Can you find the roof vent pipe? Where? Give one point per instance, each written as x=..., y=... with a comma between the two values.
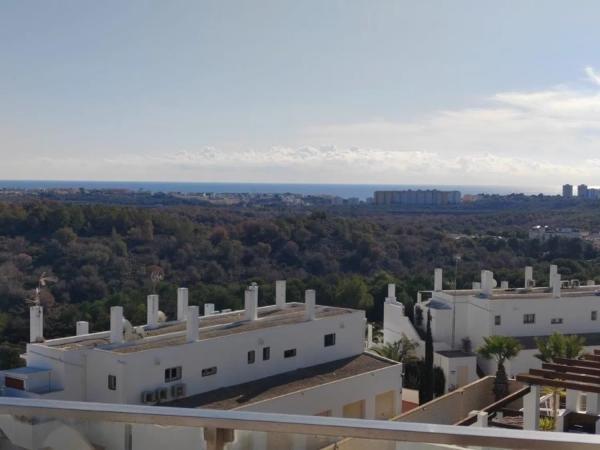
x=182, y=303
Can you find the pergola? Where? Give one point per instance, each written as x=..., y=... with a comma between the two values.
x=573, y=375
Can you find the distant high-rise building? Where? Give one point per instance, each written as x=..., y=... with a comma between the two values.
x=567, y=190
x=582, y=191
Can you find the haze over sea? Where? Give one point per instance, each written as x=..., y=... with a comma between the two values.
x=361, y=191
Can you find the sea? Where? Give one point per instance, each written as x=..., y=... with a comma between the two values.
x=360, y=191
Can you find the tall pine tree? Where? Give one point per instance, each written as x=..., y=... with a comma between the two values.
x=426, y=386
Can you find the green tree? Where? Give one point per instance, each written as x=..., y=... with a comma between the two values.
x=401, y=351
x=353, y=292
x=502, y=349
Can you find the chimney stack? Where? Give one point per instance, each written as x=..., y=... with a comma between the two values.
x=116, y=324
x=152, y=310
x=209, y=308
x=36, y=324
x=280, y=293
x=250, y=302
x=192, y=324
x=528, y=276
x=182, y=303
x=82, y=327
x=487, y=282
x=556, y=285
x=553, y=272
x=391, y=295
x=309, y=304
x=437, y=279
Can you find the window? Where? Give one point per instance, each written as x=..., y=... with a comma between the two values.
x=528, y=318
x=209, y=371
x=497, y=320
x=112, y=382
x=289, y=353
x=556, y=320
x=594, y=315
x=266, y=353
x=329, y=340
x=251, y=357
x=173, y=374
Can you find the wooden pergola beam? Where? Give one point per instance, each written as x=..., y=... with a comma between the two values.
x=541, y=381
x=565, y=376
x=564, y=368
x=577, y=362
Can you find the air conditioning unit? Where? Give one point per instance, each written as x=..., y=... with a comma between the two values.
x=178, y=390
x=162, y=394
x=149, y=397
x=530, y=283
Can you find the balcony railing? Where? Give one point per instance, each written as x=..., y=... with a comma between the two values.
x=236, y=429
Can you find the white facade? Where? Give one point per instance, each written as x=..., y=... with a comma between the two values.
x=566, y=306
x=163, y=361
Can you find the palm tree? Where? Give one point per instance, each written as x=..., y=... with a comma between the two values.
x=401, y=351
x=502, y=349
x=559, y=346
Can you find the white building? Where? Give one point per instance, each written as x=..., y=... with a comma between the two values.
x=463, y=318
x=296, y=358
x=545, y=232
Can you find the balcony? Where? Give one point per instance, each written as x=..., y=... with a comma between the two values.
x=35, y=423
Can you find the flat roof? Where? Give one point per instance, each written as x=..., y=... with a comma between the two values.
x=525, y=293
x=286, y=383
x=216, y=325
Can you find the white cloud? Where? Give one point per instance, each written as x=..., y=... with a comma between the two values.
x=592, y=75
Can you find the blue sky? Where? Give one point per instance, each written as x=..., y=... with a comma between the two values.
x=438, y=92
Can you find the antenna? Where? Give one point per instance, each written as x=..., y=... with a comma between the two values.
x=156, y=276
x=43, y=281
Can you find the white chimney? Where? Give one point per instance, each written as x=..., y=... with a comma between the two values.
x=528, y=276
x=209, y=308
x=309, y=304
x=182, y=303
x=369, y=335
x=504, y=285
x=437, y=279
x=391, y=295
x=250, y=306
x=556, y=285
x=36, y=324
x=152, y=310
x=192, y=324
x=487, y=282
x=280, y=293
x=82, y=327
x=476, y=285
x=116, y=324
x=553, y=271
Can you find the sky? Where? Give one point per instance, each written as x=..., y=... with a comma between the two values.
x=420, y=92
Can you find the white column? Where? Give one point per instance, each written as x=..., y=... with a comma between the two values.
x=555, y=283
x=309, y=304
x=182, y=303
x=369, y=335
x=437, y=279
x=192, y=324
x=116, y=324
x=152, y=310
x=82, y=327
x=482, y=419
x=36, y=324
x=370, y=408
x=531, y=409
x=592, y=403
x=280, y=287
